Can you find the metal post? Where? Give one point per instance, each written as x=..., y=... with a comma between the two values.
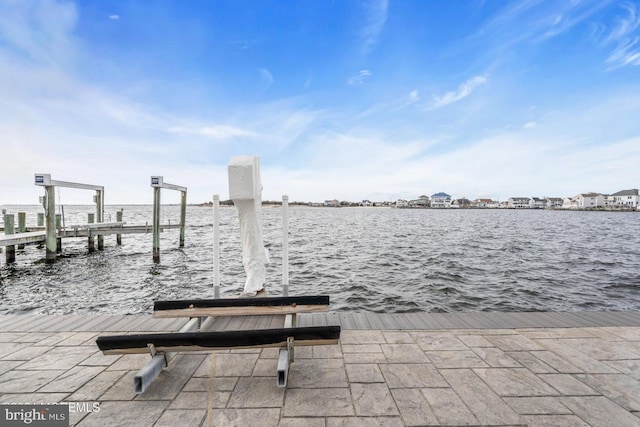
x=285, y=246
x=216, y=246
x=22, y=225
x=90, y=220
x=119, y=219
x=10, y=252
x=50, y=223
x=183, y=216
x=156, y=224
x=100, y=215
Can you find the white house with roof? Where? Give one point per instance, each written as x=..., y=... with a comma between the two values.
x=626, y=199
x=538, y=203
x=402, y=203
x=589, y=200
x=519, y=203
x=553, y=202
x=440, y=200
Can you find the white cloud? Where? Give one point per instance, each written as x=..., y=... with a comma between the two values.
x=212, y=131
x=114, y=17
x=376, y=17
x=626, y=37
x=530, y=125
x=359, y=78
x=464, y=89
x=267, y=78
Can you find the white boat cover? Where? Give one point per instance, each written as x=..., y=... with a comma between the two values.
x=245, y=189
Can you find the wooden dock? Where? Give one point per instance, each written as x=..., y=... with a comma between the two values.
x=347, y=320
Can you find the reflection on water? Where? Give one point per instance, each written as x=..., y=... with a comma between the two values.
x=366, y=259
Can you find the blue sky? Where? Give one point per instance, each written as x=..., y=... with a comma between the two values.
x=349, y=100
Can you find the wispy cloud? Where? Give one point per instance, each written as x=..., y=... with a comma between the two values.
x=375, y=19
x=360, y=77
x=212, y=131
x=114, y=17
x=465, y=89
x=530, y=125
x=267, y=78
x=625, y=35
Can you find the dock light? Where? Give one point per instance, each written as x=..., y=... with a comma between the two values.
x=156, y=181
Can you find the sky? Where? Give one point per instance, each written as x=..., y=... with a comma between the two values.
x=349, y=100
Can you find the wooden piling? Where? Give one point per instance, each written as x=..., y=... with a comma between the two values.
x=183, y=215
x=99, y=215
x=91, y=240
x=50, y=223
x=9, y=228
x=22, y=225
x=58, y=239
x=119, y=219
x=156, y=224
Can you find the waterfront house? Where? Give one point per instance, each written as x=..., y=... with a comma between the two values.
x=569, y=203
x=626, y=199
x=538, y=203
x=401, y=203
x=440, y=200
x=366, y=203
x=519, y=203
x=553, y=202
x=589, y=200
x=421, y=202
x=331, y=203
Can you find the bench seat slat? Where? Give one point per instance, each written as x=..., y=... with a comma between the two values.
x=241, y=306
x=218, y=340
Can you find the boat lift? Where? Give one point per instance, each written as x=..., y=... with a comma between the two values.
x=49, y=203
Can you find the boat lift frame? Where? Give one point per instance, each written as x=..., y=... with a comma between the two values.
x=49, y=204
x=157, y=183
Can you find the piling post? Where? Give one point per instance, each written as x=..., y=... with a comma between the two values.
x=99, y=215
x=216, y=246
x=91, y=241
x=58, y=239
x=9, y=228
x=50, y=223
x=119, y=219
x=22, y=225
x=183, y=215
x=40, y=219
x=285, y=245
x=156, y=224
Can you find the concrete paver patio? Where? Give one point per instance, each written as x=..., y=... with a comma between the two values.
x=496, y=377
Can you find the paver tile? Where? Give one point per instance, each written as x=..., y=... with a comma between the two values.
x=27, y=353
x=393, y=337
x=97, y=386
x=230, y=365
x=495, y=357
x=475, y=341
x=599, y=411
x=537, y=406
x=318, y=402
x=413, y=407
x=448, y=407
x=372, y=400
x=362, y=337
x=455, y=359
x=434, y=341
x=578, y=359
x=622, y=389
x=404, y=353
x=412, y=376
x=486, y=405
x=181, y=417
x=515, y=382
x=19, y=381
x=364, y=373
x=73, y=379
x=554, y=420
x=317, y=373
x=256, y=393
x=568, y=385
x=531, y=362
x=513, y=342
